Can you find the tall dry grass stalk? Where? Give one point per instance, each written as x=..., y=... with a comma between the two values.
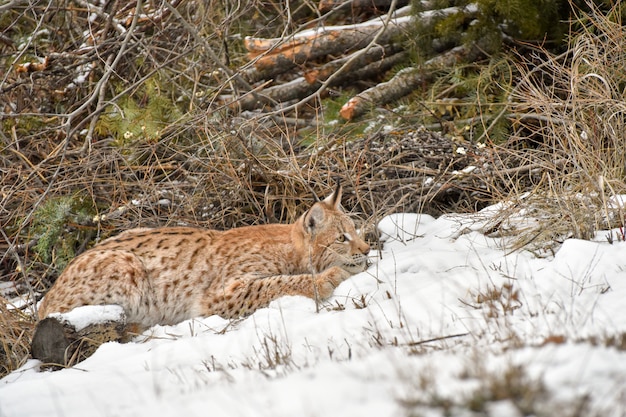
x=16, y=330
x=571, y=125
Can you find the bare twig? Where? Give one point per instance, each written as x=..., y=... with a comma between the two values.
x=436, y=339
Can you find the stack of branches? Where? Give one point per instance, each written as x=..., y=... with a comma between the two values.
x=292, y=70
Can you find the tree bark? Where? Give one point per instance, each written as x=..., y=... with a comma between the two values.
x=276, y=56
x=405, y=81
x=313, y=44
x=378, y=59
x=58, y=344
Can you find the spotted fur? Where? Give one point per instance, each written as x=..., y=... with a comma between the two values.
x=166, y=275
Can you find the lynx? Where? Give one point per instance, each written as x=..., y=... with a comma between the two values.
x=167, y=275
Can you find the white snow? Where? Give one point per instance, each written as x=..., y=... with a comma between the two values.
x=440, y=319
x=82, y=317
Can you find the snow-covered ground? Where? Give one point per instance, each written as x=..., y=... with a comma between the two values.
x=445, y=322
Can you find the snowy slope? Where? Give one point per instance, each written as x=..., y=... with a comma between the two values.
x=445, y=321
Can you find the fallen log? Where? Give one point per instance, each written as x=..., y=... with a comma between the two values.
x=256, y=46
x=378, y=59
x=316, y=43
x=276, y=56
x=376, y=53
x=405, y=81
x=64, y=340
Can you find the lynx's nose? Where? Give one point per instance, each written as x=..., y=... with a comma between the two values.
x=364, y=248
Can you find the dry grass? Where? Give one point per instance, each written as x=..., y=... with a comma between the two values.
x=570, y=120
x=16, y=329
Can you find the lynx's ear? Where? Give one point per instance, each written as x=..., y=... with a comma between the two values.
x=314, y=218
x=316, y=215
x=334, y=200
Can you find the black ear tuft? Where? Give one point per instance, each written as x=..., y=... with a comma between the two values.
x=315, y=197
x=334, y=200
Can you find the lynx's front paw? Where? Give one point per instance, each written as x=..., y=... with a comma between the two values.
x=329, y=279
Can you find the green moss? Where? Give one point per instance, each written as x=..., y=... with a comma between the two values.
x=464, y=101
x=542, y=21
x=331, y=124
x=140, y=118
x=24, y=126
x=56, y=241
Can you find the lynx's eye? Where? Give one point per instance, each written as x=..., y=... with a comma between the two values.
x=343, y=238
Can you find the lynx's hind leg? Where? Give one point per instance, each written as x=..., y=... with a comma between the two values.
x=102, y=277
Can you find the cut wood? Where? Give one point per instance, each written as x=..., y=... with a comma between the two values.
x=374, y=54
x=316, y=43
x=68, y=338
x=255, y=46
x=405, y=81
x=275, y=56
x=57, y=343
x=377, y=60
